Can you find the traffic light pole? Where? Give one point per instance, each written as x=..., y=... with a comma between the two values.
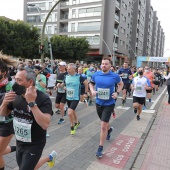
x=43, y=30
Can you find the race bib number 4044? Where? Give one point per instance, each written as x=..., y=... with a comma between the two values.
x=70, y=93
x=22, y=131
x=103, y=94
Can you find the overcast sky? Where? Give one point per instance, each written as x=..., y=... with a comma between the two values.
x=14, y=9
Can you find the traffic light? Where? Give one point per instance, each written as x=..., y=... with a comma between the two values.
x=47, y=47
x=41, y=49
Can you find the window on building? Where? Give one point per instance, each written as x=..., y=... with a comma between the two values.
x=41, y=6
x=55, y=30
x=32, y=19
x=73, y=27
x=122, y=30
x=55, y=16
x=123, y=18
x=74, y=13
x=50, y=5
x=74, y=2
x=89, y=26
x=50, y=18
x=49, y=29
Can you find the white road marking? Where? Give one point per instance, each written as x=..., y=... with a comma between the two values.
x=148, y=111
x=125, y=108
x=156, y=101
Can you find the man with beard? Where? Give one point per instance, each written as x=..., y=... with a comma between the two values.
x=104, y=82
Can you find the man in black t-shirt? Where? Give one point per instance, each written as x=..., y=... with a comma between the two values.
x=32, y=110
x=61, y=93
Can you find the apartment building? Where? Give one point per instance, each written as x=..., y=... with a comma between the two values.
x=119, y=28
x=147, y=43
x=155, y=33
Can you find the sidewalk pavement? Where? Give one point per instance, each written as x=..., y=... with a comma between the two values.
x=155, y=153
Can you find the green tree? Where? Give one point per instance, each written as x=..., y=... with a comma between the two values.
x=19, y=39
x=69, y=48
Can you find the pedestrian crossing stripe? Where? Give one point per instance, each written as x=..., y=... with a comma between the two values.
x=148, y=111
x=125, y=108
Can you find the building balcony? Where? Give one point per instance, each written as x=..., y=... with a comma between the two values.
x=88, y=28
x=64, y=16
x=93, y=40
x=118, y=4
x=64, y=4
x=117, y=17
x=116, y=31
x=64, y=29
x=115, y=46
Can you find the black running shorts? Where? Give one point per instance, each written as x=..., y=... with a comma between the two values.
x=28, y=155
x=140, y=100
x=60, y=98
x=6, y=129
x=126, y=86
x=72, y=104
x=104, y=112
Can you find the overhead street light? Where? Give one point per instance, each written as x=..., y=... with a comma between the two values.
x=51, y=54
x=43, y=29
x=104, y=43
x=165, y=52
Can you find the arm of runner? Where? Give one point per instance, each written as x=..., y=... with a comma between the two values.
x=120, y=86
x=167, y=77
x=132, y=85
x=91, y=85
x=43, y=119
x=9, y=97
x=86, y=85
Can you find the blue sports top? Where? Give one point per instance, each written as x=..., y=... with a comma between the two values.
x=125, y=74
x=105, y=86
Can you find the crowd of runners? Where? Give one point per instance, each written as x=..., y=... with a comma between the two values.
x=26, y=107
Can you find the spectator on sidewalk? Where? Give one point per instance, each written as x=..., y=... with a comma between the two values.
x=167, y=77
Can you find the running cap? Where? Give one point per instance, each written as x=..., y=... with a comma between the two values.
x=62, y=63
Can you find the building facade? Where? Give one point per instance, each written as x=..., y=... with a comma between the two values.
x=122, y=29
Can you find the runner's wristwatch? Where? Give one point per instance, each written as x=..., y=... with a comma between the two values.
x=32, y=104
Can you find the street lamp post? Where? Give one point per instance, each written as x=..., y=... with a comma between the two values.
x=105, y=44
x=165, y=52
x=51, y=54
x=43, y=29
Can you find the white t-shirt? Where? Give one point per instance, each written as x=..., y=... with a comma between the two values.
x=139, y=84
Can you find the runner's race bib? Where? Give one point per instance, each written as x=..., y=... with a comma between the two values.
x=61, y=90
x=103, y=94
x=139, y=87
x=124, y=75
x=70, y=93
x=22, y=131
x=88, y=79
x=2, y=118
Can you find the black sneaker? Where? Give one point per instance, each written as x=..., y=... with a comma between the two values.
x=135, y=111
x=57, y=112
x=138, y=117
x=109, y=133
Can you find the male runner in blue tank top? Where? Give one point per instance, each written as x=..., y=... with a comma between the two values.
x=104, y=82
x=72, y=85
